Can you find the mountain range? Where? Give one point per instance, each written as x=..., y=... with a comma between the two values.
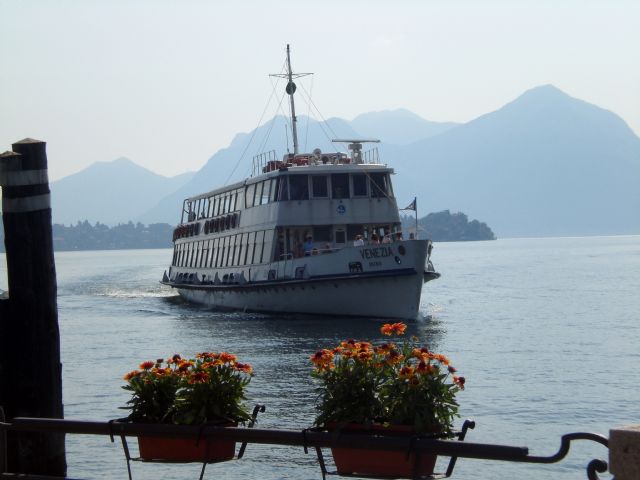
x=545, y=164
x=110, y=192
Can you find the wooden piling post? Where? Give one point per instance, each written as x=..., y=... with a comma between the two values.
x=30, y=369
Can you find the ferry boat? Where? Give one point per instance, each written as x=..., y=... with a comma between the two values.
x=316, y=233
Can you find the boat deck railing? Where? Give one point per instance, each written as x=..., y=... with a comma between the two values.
x=268, y=161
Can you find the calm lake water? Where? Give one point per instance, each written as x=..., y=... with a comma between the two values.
x=546, y=332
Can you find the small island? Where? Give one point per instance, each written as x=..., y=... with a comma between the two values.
x=445, y=226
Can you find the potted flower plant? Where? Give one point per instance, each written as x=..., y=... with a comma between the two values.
x=207, y=389
x=385, y=389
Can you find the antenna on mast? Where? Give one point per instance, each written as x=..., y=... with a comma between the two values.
x=291, y=89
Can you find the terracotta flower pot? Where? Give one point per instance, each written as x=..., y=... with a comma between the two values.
x=186, y=449
x=381, y=463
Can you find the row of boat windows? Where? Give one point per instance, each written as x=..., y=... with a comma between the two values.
x=291, y=187
x=232, y=250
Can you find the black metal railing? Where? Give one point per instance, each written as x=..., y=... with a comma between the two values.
x=307, y=438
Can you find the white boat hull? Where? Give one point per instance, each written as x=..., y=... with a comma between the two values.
x=393, y=296
x=386, y=287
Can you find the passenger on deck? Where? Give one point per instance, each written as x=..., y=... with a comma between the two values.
x=374, y=239
x=308, y=245
x=399, y=237
x=359, y=241
x=387, y=236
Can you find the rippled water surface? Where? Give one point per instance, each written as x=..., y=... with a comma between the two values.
x=545, y=330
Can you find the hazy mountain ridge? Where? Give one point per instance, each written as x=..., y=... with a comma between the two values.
x=544, y=164
x=110, y=192
x=398, y=127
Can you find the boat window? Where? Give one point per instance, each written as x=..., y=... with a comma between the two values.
x=322, y=233
x=340, y=237
x=257, y=255
x=298, y=187
x=319, y=184
x=378, y=185
x=340, y=185
x=214, y=257
x=232, y=201
x=353, y=230
x=359, y=184
x=233, y=251
x=190, y=255
x=237, y=258
x=251, y=242
x=239, y=199
x=266, y=192
x=221, y=250
x=249, y=195
x=268, y=245
x=258, y=194
x=228, y=252
x=283, y=188
x=274, y=190
x=204, y=253
x=241, y=248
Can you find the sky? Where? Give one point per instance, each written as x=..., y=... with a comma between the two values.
x=169, y=83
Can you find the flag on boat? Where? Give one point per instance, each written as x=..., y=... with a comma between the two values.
x=412, y=205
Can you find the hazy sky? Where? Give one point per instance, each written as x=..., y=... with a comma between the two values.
x=168, y=83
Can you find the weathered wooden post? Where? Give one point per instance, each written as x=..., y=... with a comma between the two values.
x=30, y=369
x=624, y=452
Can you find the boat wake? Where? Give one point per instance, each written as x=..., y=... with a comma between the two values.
x=137, y=294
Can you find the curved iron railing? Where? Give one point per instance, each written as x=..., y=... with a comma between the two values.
x=311, y=438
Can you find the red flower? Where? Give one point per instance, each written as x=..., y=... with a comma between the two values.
x=148, y=365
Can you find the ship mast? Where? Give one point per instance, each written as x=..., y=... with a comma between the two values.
x=291, y=89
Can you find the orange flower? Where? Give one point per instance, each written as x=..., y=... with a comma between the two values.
x=322, y=357
x=387, y=329
x=393, y=357
x=175, y=359
x=198, y=377
x=422, y=367
x=207, y=355
x=184, y=365
x=442, y=359
x=420, y=353
x=393, y=329
x=364, y=355
x=406, y=372
x=227, y=357
x=460, y=381
x=148, y=365
x=351, y=343
x=243, y=367
x=130, y=375
x=384, y=348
